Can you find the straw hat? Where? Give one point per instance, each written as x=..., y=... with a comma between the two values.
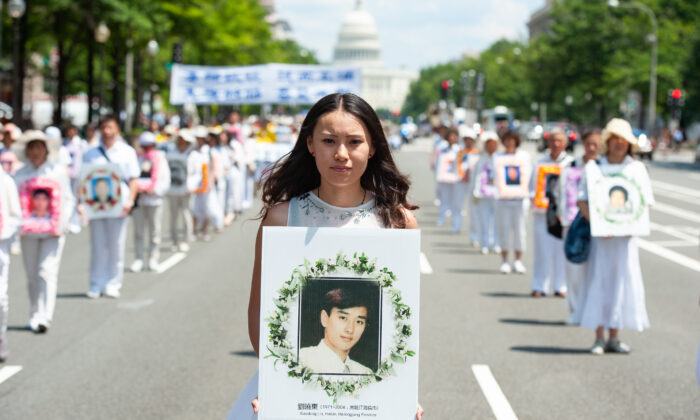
x=620, y=128
x=53, y=145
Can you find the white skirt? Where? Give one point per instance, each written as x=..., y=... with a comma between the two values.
x=615, y=293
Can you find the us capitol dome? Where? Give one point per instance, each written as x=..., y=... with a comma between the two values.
x=358, y=45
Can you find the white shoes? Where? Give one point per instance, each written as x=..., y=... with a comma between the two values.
x=92, y=294
x=136, y=266
x=484, y=250
x=183, y=247
x=505, y=267
x=114, y=294
x=519, y=267
x=153, y=264
x=497, y=249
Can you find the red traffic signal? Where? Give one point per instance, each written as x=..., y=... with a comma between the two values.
x=676, y=93
x=445, y=84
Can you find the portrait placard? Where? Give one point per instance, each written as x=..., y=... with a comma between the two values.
x=568, y=191
x=101, y=190
x=466, y=161
x=40, y=201
x=619, y=199
x=446, y=167
x=512, y=177
x=148, y=177
x=178, y=174
x=546, y=174
x=339, y=323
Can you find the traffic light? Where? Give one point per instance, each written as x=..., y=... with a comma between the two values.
x=445, y=89
x=676, y=100
x=177, y=52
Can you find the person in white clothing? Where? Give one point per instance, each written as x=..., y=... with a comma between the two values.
x=152, y=184
x=548, y=251
x=342, y=162
x=576, y=274
x=180, y=201
x=42, y=251
x=220, y=165
x=237, y=175
x=614, y=295
x=484, y=194
x=471, y=153
x=511, y=212
x=451, y=186
x=344, y=317
x=10, y=219
x=108, y=236
x=206, y=204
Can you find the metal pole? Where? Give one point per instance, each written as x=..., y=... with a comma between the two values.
x=129, y=85
x=150, y=89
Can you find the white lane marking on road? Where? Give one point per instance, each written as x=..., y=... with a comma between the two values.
x=8, y=371
x=425, y=267
x=675, y=244
x=675, y=211
x=499, y=404
x=672, y=256
x=675, y=188
x=170, y=262
x=678, y=196
x=691, y=238
x=135, y=305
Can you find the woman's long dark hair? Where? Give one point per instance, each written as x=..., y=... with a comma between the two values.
x=296, y=173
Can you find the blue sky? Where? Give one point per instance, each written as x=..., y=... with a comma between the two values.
x=413, y=33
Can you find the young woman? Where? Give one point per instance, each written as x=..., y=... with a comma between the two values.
x=339, y=174
x=510, y=213
x=42, y=252
x=615, y=292
x=485, y=193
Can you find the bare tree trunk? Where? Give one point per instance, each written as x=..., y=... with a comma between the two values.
x=116, y=60
x=138, y=73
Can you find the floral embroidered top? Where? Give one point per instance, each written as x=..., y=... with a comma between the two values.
x=309, y=210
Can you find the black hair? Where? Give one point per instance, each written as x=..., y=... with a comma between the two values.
x=618, y=188
x=511, y=134
x=41, y=191
x=107, y=118
x=346, y=297
x=589, y=133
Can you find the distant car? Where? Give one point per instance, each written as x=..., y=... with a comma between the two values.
x=531, y=131
x=570, y=130
x=646, y=144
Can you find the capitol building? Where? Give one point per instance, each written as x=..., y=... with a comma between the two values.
x=358, y=45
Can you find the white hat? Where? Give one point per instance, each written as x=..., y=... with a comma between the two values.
x=147, y=139
x=200, y=132
x=488, y=135
x=620, y=128
x=53, y=145
x=53, y=132
x=186, y=135
x=467, y=132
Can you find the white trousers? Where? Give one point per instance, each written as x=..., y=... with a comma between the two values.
x=107, y=246
x=576, y=275
x=221, y=203
x=511, y=224
x=42, y=259
x=487, y=222
x=452, y=200
x=4, y=272
x=147, y=218
x=235, y=189
x=180, y=210
x=474, y=233
x=549, y=258
x=249, y=194
x=206, y=207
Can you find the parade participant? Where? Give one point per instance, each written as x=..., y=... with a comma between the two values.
x=64, y=157
x=548, y=253
x=221, y=165
x=180, y=203
x=108, y=236
x=576, y=273
x=8, y=158
x=91, y=136
x=439, y=143
x=10, y=219
x=152, y=185
x=235, y=178
x=250, y=146
x=206, y=203
x=484, y=194
x=614, y=296
x=469, y=138
x=341, y=169
x=42, y=251
x=449, y=183
x=76, y=147
x=10, y=134
x=511, y=213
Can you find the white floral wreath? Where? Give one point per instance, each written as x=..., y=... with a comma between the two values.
x=281, y=349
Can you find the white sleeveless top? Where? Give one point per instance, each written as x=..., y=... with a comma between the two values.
x=309, y=210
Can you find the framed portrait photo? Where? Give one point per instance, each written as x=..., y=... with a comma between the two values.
x=339, y=323
x=466, y=162
x=446, y=167
x=546, y=175
x=568, y=191
x=512, y=177
x=619, y=201
x=40, y=201
x=178, y=174
x=148, y=164
x=101, y=190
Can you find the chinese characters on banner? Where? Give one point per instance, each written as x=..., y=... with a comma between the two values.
x=295, y=84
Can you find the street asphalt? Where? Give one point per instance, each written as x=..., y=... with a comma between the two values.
x=175, y=345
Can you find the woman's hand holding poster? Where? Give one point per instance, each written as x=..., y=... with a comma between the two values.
x=339, y=323
x=619, y=199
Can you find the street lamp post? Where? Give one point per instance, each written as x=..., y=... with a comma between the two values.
x=101, y=36
x=654, y=40
x=16, y=9
x=152, y=49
